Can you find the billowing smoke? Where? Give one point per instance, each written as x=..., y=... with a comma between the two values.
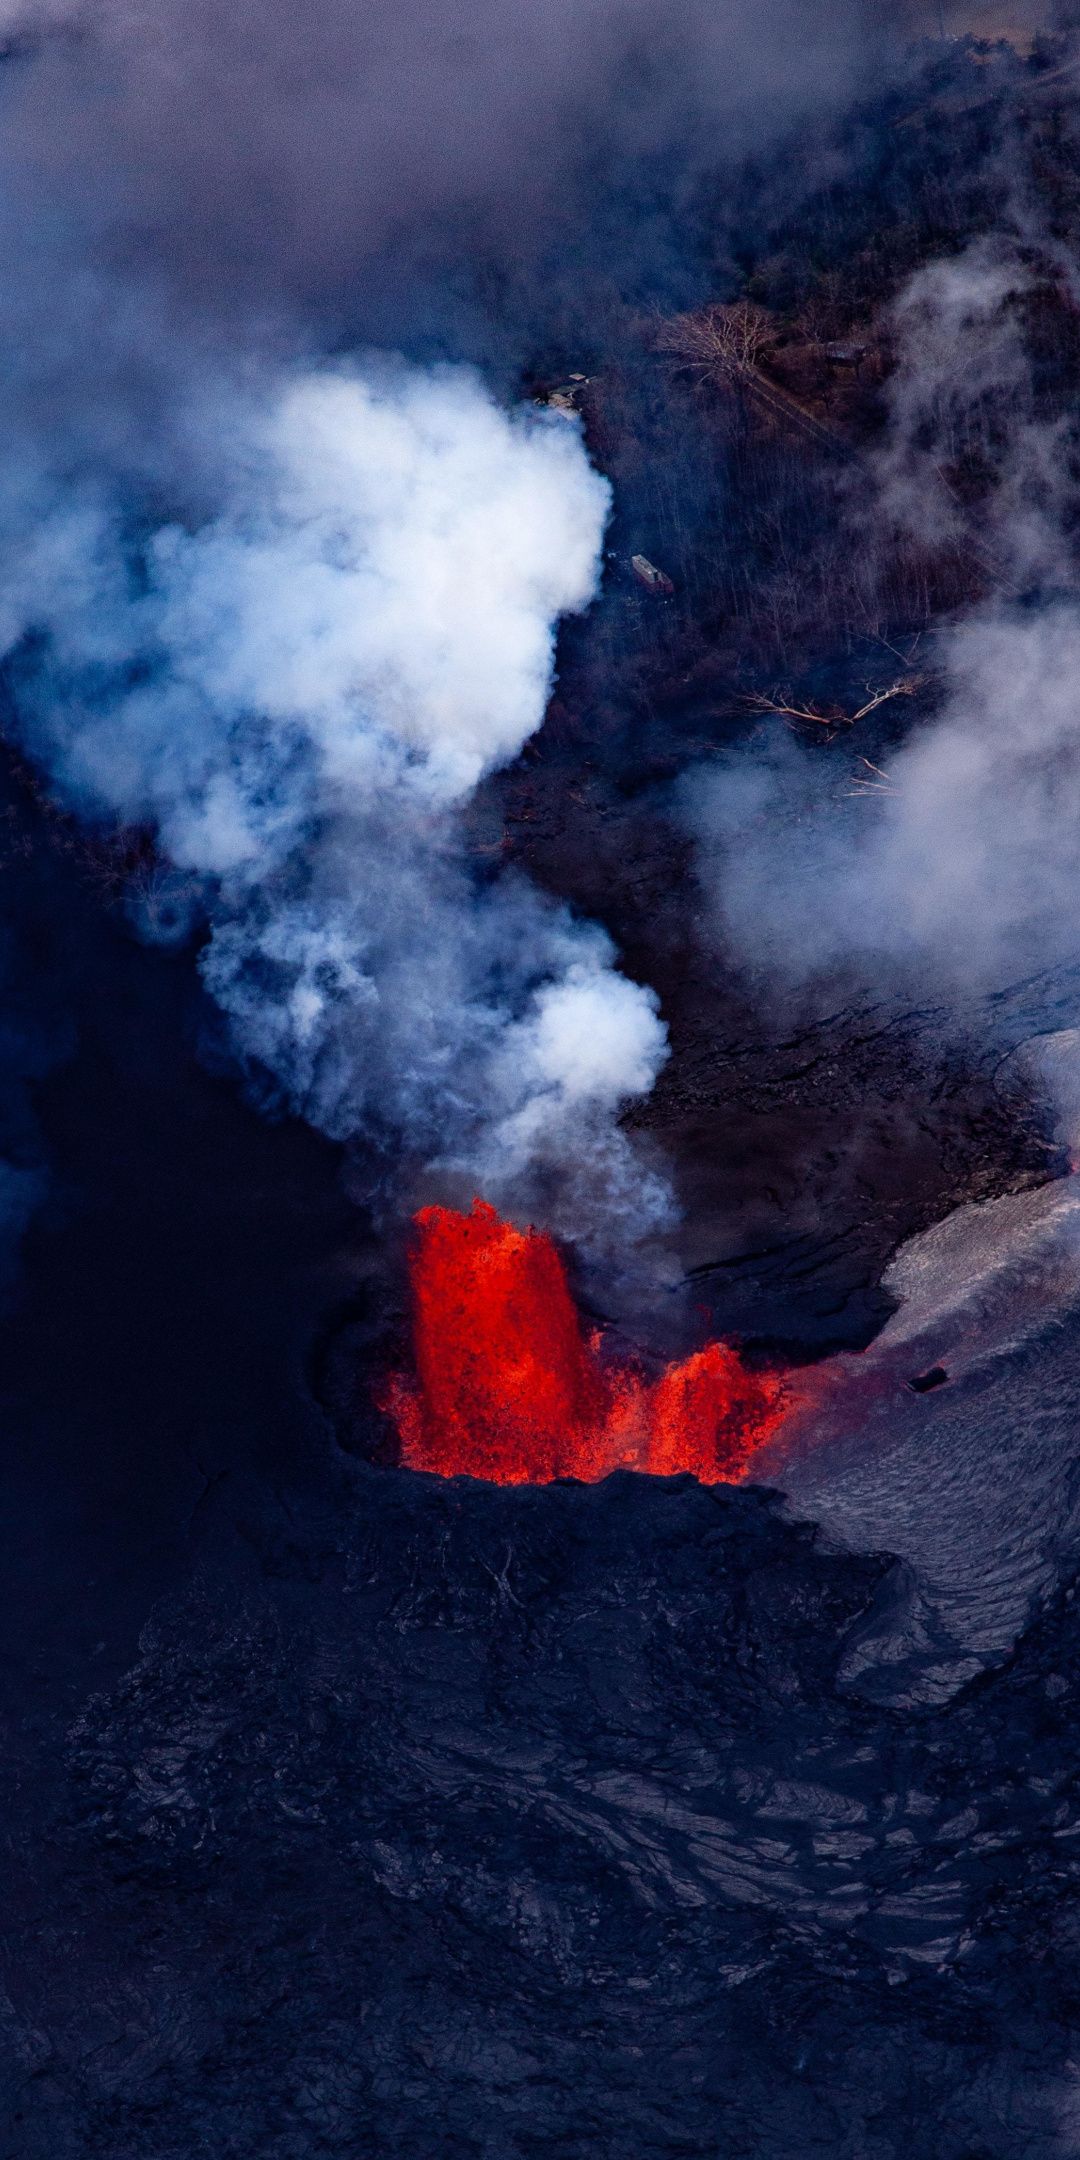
x=955, y=861
x=286, y=610
x=299, y=693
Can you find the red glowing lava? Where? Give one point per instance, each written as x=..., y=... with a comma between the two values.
x=507, y=1387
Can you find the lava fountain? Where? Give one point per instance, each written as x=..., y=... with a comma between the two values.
x=508, y=1387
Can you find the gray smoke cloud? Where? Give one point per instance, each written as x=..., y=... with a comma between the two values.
x=352, y=155
x=959, y=867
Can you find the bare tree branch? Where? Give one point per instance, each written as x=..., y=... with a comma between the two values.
x=881, y=784
x=832, y=716
x=725, y=340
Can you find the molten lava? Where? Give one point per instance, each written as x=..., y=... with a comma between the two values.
x=507, y=1387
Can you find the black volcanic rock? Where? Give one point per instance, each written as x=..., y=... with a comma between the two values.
x=472, y=1822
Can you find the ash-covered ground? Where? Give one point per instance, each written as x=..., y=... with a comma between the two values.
x=350, y=1811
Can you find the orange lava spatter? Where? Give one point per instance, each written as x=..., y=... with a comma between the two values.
x=508, y=1387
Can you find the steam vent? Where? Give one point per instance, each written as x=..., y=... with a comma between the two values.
x=540, y=1080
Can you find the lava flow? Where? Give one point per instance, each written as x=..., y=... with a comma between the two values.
x=509, y=1388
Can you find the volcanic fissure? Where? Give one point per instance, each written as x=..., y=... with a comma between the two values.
x=509, y=1387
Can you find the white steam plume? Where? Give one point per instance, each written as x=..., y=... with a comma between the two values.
x=299, y=689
